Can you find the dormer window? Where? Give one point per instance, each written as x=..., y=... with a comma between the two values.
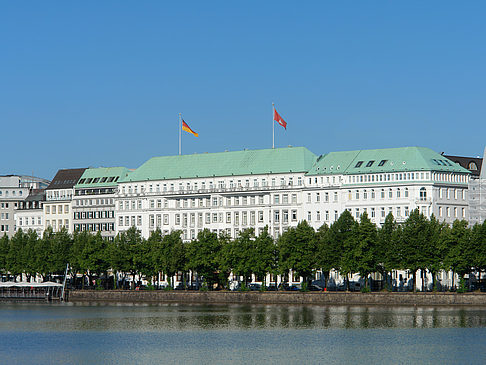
x=358, y=164
x=382, y=162
x=472, y=166
x=370, y=163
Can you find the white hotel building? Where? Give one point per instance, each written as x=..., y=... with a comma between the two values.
x=231, y=191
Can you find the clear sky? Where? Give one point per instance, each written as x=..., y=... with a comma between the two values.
x=101, y=83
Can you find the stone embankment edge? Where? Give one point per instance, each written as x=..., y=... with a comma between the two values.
x=320, y=298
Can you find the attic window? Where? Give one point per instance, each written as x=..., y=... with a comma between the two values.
x=117, y=178
x=103, y=179
x=82, y=181
x=382, y=162
x=448, y=163
x=88, y=181
x=472, y=166
x=358, y=164
x=370, y=163
x=110, y=179
x=95, y=180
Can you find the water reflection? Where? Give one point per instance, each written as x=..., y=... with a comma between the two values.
x=179, y=317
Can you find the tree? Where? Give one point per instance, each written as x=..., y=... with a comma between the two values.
x=203, y=256
x=341, y=236
x=16, y=256
x=297, y=248
x=327, y=255
x=387, y=249
x=4, y=247
x=457, y=241
x=60, y=251
x=415, y=238
x=245, y=260
x=365, y=247
x=266, y=255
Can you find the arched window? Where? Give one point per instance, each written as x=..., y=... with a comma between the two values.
x=472, y=166
x=423, y=194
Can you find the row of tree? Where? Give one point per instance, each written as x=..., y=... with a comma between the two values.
x=348, y=246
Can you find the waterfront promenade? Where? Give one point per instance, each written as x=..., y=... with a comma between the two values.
x=321, y=298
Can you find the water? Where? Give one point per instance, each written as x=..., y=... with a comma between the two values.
x=77, y=333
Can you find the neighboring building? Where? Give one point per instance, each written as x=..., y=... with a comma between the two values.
x=477, y=186
x=14, y=189
x=30, y=214
x=59, y=195
x=230, y=191
x=473, y=164
x=93, y=201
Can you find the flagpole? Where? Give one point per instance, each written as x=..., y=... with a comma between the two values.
x=273, y=125
x=180, y=132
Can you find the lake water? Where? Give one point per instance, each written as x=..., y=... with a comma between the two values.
x=84, y=333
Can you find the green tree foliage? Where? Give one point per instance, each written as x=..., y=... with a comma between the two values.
x=327, y=254
x=266, y=255
x=4, y=247
x=387, y=248
x=415, y=239
x=204, y=256
x=364, y=249
x=341, y=235
x=457, y=241
x=297, y=247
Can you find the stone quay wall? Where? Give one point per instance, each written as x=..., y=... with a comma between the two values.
x=319, y=298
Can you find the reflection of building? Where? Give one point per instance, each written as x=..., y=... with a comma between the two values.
x=14, y=189
x=477, y=186
x=93, y=202
x=59, y=195
x=230, y=191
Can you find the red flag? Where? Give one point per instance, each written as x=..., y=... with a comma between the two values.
x=277, y=118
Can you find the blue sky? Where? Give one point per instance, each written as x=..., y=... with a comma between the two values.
x=101, y=83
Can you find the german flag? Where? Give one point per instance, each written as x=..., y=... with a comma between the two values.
x=186, y=128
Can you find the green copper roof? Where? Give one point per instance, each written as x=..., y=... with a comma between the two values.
x=247, y=162
x=384, y=160
x=101, y=177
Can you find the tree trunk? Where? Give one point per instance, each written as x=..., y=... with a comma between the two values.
x=453, y=275
x=413, y=281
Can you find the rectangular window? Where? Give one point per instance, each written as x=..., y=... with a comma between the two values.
x=309, y=216
x=293, y=215
x=260, y=216
x=285, y=199
x=285, y=216
x=318, y=197
x=237, y=218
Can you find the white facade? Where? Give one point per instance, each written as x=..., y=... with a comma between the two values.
x=221, y=204
x=232, y=204
x=31, y=219
x=57, y=214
